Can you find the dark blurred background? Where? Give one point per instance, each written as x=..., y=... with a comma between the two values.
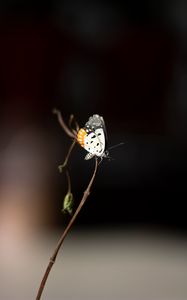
x=126, y=62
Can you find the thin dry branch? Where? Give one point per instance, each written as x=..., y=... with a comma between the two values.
x=69, y=181
x=60, y=242
x=70, y=133
x=61, y=167
x=86, y=193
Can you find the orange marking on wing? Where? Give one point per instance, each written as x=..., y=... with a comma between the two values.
x=81, y=136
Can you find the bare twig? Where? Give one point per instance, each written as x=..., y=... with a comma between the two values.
x=70, y=133
x=69, y=181
x=61, y=167
x=60, y=242
x=71, y=119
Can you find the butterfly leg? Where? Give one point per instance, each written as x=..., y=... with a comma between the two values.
x=101, y=159
x=89, y=156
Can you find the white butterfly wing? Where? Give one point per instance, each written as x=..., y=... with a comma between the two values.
x=95, y=142
x=101, y=137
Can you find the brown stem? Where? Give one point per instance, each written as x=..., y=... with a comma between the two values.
x=69, y=181
x=70, y=133
x=72, y=118
x=61, y=167
x=60, y=242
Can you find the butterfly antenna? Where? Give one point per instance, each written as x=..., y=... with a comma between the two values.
x=120, y=144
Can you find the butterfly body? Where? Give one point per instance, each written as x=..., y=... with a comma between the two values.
x=92, y=137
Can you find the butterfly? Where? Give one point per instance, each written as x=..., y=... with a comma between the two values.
x=93, y=138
